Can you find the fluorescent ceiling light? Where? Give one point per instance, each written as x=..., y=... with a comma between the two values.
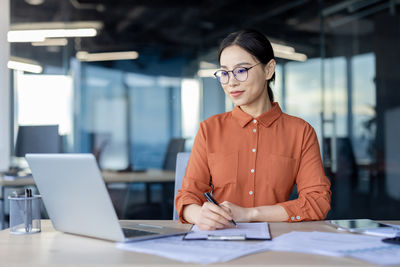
x=52, y=42
x=41, y=35
x=35, y=2
x=282, y=48
x=203, y=73
x=287, y=52
x=207, y=65
x=89, y=57
x=291, y=56
x=23, y=64
x=56, y=25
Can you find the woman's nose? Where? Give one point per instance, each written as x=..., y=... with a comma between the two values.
x=232, y=79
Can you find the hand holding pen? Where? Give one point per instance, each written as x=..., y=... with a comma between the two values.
x=210, y=198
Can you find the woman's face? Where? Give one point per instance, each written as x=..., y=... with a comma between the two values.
x=253, y=90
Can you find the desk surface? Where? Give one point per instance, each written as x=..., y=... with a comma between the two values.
x=149, y=176
x=50, y=248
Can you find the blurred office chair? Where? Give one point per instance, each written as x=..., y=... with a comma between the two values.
x=182, y=159
x=98, y=142
x=175, y=146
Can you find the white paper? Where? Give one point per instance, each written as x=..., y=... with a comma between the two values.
x=396, y=226
x=383, y=256
x=363, y=247
x=247, y=230
x=196, y=251
x=385, y=232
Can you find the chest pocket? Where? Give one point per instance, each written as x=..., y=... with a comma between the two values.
x=223, y=168
x=281, y=172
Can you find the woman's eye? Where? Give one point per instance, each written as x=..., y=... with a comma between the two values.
x=240, y=70
x=224, y=73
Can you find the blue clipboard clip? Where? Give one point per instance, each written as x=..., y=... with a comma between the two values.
x=226, y=237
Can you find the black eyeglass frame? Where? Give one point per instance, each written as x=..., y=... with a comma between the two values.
x=233, y=73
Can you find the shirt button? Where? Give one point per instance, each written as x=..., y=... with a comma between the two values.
x=254, y=121
x=250, y=192
x=292, y=218
x=254, y=150
x=254, y=130
x=252, y=170
x=298, y=217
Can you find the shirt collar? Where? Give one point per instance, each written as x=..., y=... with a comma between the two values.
x=266, y=119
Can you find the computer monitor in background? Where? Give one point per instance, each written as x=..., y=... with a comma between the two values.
x=37, y=139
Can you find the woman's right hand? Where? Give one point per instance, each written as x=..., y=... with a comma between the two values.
x=208, y=217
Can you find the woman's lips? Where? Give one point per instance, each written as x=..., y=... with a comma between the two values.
x=236, y=93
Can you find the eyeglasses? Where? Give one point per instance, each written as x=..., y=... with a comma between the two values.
x=240, y=74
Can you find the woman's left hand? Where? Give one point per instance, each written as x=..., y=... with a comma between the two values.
x=239, y=214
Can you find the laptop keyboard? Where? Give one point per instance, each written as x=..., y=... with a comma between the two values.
x=134, y=232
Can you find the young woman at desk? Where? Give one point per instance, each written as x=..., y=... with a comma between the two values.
x=251, y=157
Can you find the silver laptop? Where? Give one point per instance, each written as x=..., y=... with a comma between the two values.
x=77, y=200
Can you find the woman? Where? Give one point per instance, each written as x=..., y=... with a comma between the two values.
x=250, y=158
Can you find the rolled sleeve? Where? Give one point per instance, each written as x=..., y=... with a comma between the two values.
x=314, y=201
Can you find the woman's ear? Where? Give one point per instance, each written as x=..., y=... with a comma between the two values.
x=270, y=69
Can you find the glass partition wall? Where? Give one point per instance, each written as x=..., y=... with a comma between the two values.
x=127, y=111
x=360, y=107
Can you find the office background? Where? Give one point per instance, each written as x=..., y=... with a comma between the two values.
x=337, y=69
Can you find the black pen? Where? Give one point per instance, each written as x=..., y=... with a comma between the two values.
x=212, y=200
x=28, y=210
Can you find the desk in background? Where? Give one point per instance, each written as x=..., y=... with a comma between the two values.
x=152, y=176
x=148, y=177
x=51, y=248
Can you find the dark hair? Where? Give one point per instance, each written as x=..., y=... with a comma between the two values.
x=255, y=43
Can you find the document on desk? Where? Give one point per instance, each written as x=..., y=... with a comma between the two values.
x=392, y=231
x=242, y=231
x=196, y=251
x=363, y=247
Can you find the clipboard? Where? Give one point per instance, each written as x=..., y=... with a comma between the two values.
x=242, y=232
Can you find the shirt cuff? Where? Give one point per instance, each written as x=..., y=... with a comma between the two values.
x=295, y=210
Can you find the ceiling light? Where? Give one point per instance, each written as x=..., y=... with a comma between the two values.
x=35, y=2
x=204, y=73
x=291, y=56
x=56, y=25
x=24, y=64
x=52, y=42
x=282, y=48
x=207, y=65
x=287, y=52
x=41, y=35
x=89, y=57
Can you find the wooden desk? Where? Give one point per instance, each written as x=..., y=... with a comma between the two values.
x=149, y=176
x=52, y=248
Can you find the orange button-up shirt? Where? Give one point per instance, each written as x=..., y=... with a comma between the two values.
x=255, y=162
